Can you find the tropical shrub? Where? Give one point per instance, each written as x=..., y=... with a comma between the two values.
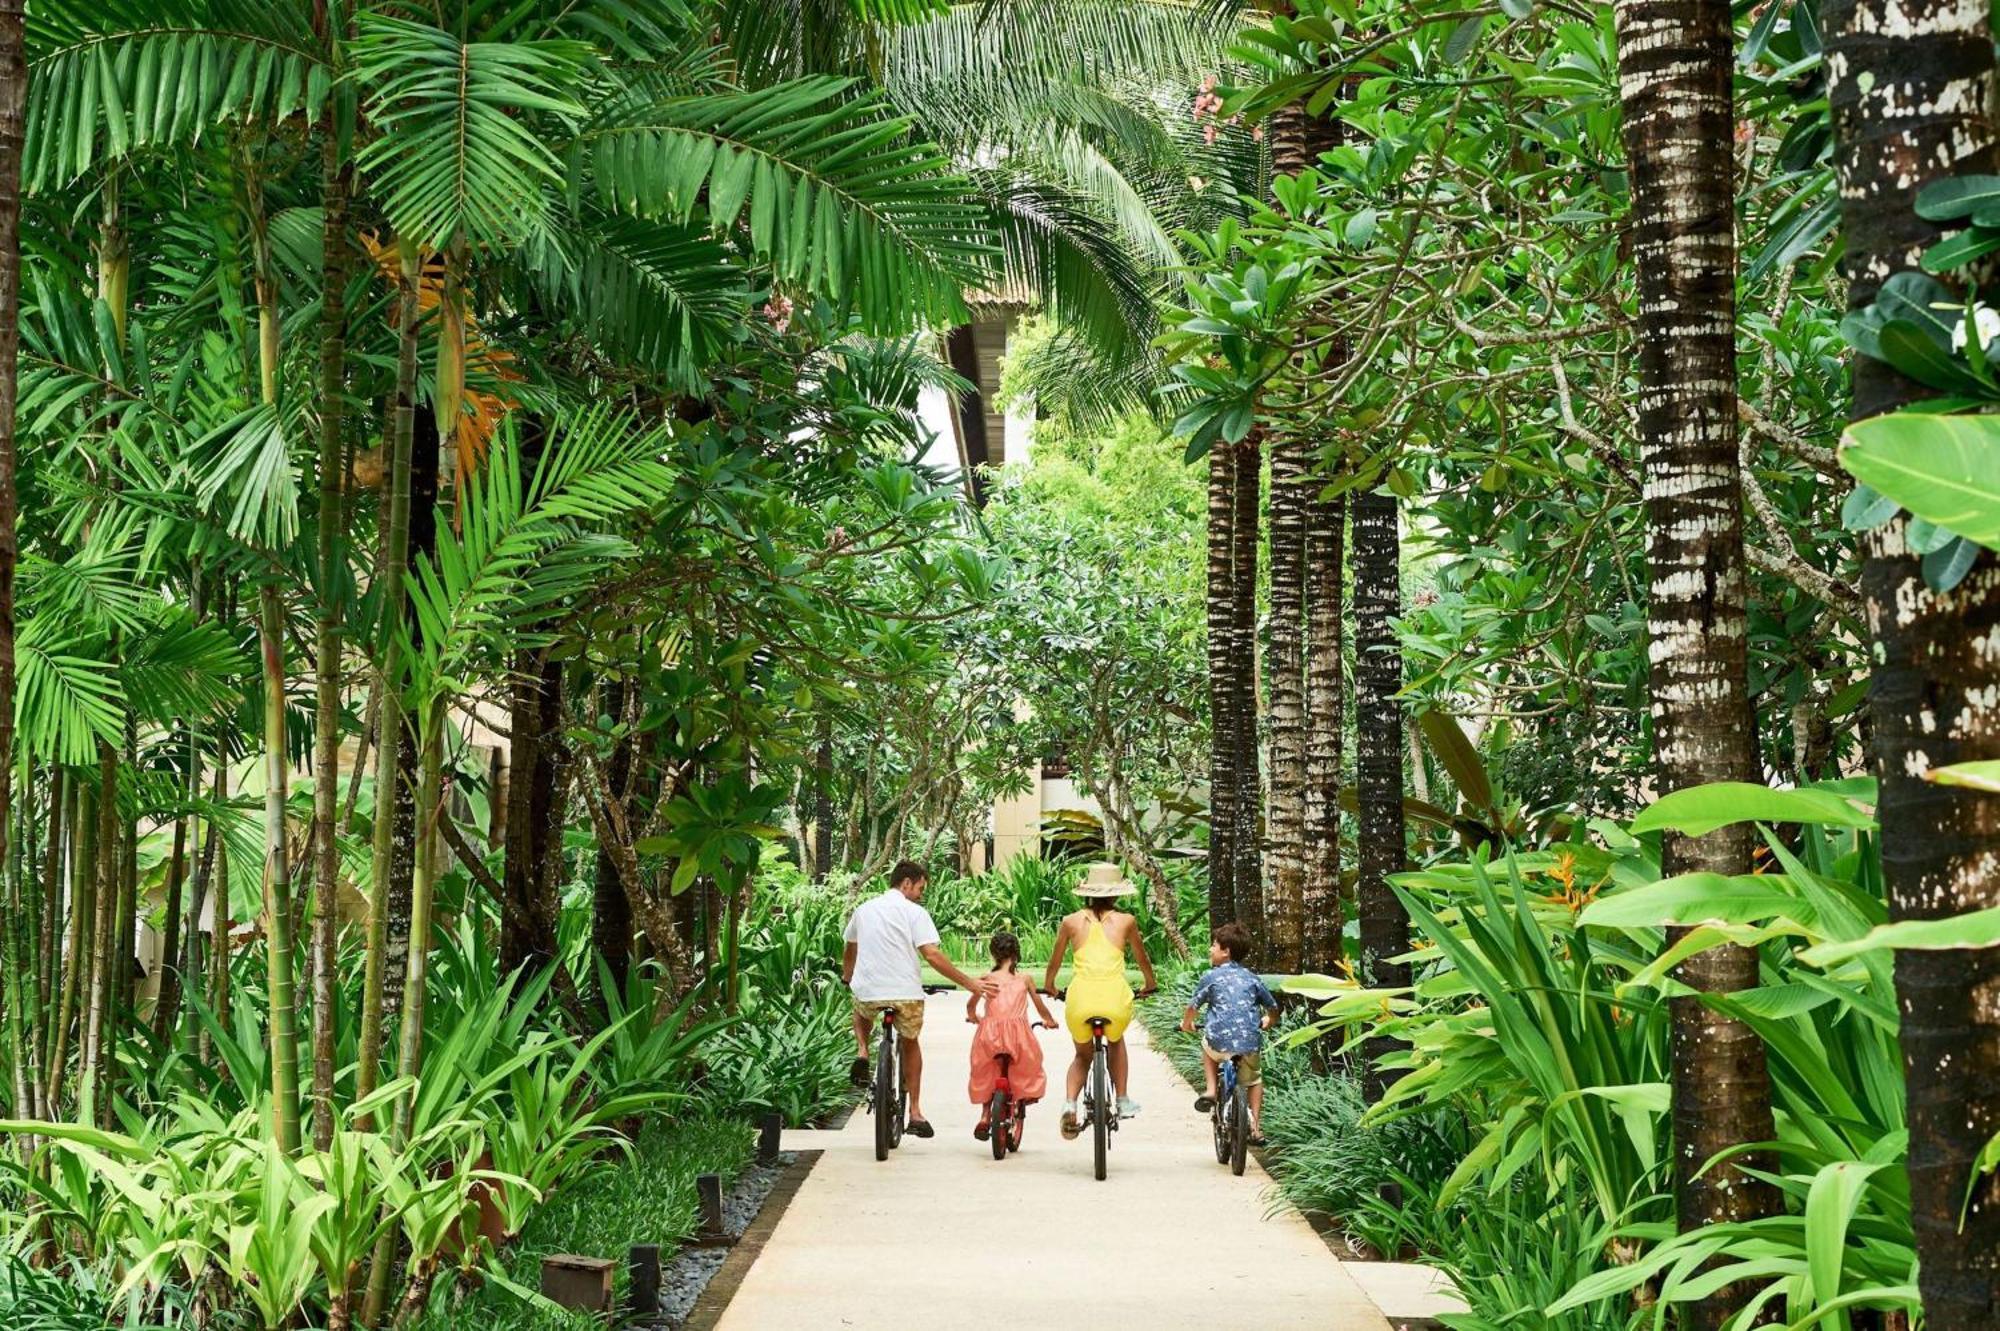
x=1538, y=1015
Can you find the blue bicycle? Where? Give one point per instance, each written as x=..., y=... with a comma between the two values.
x=1230, y=1116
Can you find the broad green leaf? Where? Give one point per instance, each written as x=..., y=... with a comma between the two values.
x=1975, y=929
x=1972, y=776
x=1699, y=810
x=1944, y=469
x=1694, y=898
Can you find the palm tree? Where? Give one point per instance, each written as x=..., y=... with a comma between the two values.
x=1247, y=869
x=1223, y=748
x=1675, y=66
x=1912, y=92
x=1326, y=519
x=1381, y=845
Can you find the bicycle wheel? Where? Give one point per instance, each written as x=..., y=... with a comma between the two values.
x=1218, y=1119
x=882, y=1100
x=1000, y=1121
x=1014, y=1126
x=1239, y=1127
x=1101, y=1110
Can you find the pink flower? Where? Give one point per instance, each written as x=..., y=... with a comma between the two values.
x=1208, y=84
x=1257, y=133
x=778, y=311
x=1208, y=134
x=1745, y=132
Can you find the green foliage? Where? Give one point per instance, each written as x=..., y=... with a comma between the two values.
x=1539, y=1015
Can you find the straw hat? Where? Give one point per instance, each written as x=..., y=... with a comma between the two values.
x=1104, y=880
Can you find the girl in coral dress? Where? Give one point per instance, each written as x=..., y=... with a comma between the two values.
x=1005, y=1030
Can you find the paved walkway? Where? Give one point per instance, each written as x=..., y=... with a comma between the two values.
x=942, y=1236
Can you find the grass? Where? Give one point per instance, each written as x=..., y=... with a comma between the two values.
x=646, y=1198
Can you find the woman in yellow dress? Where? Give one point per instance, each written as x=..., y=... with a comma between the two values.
x=1101, y=936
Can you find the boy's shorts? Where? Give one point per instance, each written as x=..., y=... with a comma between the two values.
x=909, y=1014
x=1250, y=1071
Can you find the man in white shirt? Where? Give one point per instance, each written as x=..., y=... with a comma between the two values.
x=885, y=937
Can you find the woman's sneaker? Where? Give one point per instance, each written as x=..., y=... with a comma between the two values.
x=1127, y=1107
x=1070, y=1127
x=857, y=1073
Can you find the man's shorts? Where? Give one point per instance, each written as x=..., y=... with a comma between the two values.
x=909, y=1014
x=1250, y=1071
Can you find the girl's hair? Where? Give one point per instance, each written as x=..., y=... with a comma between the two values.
x=1006, y=950
x=1098, y=906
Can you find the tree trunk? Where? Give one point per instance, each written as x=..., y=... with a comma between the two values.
x=1325, y=679
x=1247, y=854
x=425, y=456
x=388, y=690
x=82, y=923
x=278, y=961
x=822, y=839
x=611, y=914
x=328, y=645
x=1913, y=98
x=1675, y=60
x=534, y=831
x=1221, y=700
x=1284, y=894
x=1378, y=760
x=99, y=1019
x=164, y=1000
x=190, y=964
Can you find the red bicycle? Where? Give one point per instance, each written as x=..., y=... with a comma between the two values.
x=1006, y=1116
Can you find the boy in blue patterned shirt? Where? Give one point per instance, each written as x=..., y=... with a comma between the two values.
x=1240, y=1010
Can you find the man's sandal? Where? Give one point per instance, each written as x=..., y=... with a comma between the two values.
x=918, y=1127
x=1203, y=1103
x=982, y=1131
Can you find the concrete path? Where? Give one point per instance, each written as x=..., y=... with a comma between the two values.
x=942, y=1236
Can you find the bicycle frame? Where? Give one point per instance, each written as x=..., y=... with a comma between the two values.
x=887, y=1097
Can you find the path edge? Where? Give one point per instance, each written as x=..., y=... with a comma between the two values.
x=720, y=1291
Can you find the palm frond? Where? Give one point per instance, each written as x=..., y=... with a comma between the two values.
x=110, y=77
x=658, y=294
x=65, y=701
x=181, y=669
x=460, y=155
x=833, y=191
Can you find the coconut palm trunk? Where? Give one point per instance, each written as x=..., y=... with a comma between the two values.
x=1284, y=892
x=1675, y=66
x=1221, y=700
x=1325, y=681
x=1912, y=88
x=1380, y=843
x=1246, y=846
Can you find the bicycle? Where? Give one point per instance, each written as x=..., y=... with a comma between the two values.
x=889, y=1100
x=1006, y=1116
x=1230, y=1116
x=1100, y=1110
x=1100, y=1107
